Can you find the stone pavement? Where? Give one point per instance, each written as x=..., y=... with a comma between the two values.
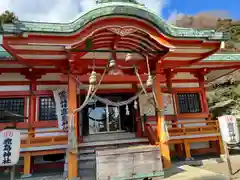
x=210, y=170
x=176, y=173
x=192, y=173
x=222, y=168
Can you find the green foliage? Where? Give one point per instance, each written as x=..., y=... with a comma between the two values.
x=223, y=100
x=8, y=17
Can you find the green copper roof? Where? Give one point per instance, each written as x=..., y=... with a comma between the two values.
x=111, y=1
x=223, y=57
x=127, y=9
x=4, y=54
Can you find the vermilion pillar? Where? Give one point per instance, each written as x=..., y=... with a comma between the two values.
x=161, y=134
x=72, y=105
x=28, y=159
x=169, y=74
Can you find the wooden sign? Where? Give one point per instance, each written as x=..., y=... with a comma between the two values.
x=9, y=147
x=168, y=104
x=229, y=129
x=147, y=107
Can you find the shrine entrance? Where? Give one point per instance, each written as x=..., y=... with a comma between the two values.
x=103, y=118
x=99, y=117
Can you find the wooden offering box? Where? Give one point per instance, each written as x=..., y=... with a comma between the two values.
x=129, y=163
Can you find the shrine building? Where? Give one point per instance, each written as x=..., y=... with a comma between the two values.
x=131, y=73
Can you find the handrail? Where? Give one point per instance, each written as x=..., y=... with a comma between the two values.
x=148, y=130
x=39, y=132
x=182, y=128
x=31, y=140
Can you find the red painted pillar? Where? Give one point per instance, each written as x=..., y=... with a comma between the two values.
x=203, y=94
x=28, y=159
x=72, y=105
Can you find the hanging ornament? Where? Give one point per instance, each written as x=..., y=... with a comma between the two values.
x=149, y=81
x=127, y=110
x=135, y=104
x=112, y=63
x=93, y=78
x=128, y=57
x=116, y=113
x=107, y=112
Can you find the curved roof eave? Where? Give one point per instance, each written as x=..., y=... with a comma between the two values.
x=110, y=9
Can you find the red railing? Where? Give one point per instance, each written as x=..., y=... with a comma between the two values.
x=150, y=133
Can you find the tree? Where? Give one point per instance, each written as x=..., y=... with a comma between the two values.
x=8, y=17
x=224, y=93
x=203, y=20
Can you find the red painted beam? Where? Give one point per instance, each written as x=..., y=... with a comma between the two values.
x=118, y=79
x=40, y=52
x=21, y=70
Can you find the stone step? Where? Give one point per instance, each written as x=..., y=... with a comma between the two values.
x=87, y=165
x=113, y=142
x=87, y=174
x=86, y=151
x=108, y=136
x=85, y=157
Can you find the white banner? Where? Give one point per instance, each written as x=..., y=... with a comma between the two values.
x=9, y=147
x=61, y=99
x=229, y=129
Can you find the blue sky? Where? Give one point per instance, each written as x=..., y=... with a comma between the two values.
x=195, y=6
x=67, y=10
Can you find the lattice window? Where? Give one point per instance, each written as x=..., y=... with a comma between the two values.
x=14, y=105
x=47, y=109
x=189, y=103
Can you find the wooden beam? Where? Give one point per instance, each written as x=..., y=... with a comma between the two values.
x=29, y=70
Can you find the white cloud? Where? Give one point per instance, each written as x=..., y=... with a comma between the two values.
x=174, y=16
x=155, y=5
x=60, y=10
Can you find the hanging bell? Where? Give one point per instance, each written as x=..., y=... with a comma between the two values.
x=128, y=57
x=93, y=78
x=149, y=81
x=112, y=63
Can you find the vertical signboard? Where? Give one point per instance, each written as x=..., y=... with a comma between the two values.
x=229, y=129
x=61, y=99
x=9, y=147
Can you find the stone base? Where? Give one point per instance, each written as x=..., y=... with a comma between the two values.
x=222, y=158
x=193, y=162
x=26, y=176
x=65, y=175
